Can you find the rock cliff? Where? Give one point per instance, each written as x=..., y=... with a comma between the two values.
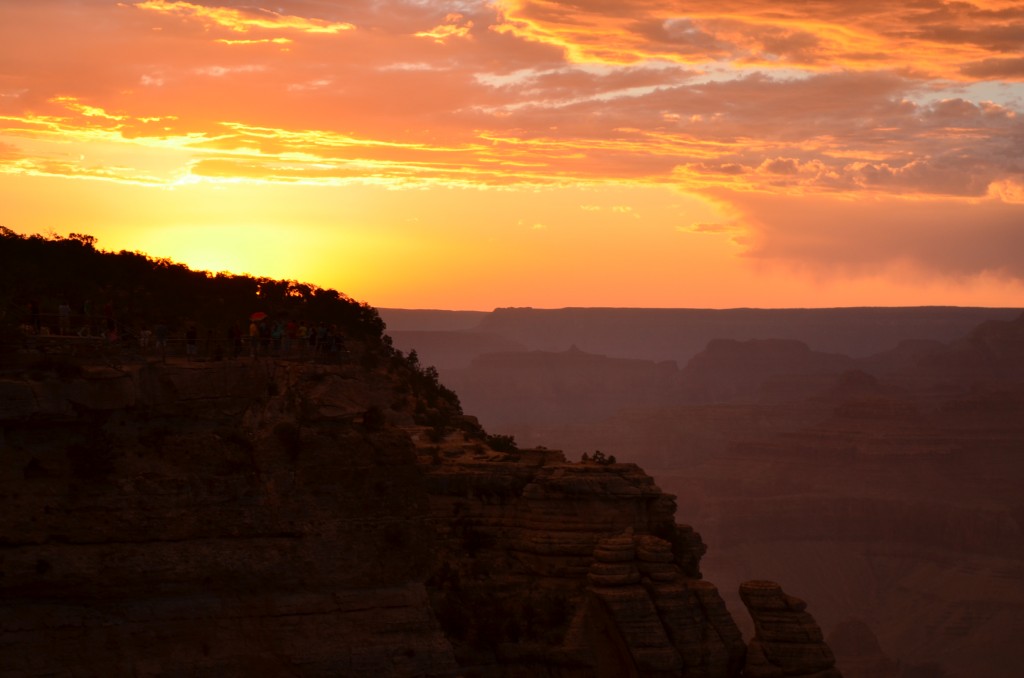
x=277, y=517
x=193, y=520
x=787, y=640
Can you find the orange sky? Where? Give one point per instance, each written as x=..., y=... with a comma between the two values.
x=471, y=155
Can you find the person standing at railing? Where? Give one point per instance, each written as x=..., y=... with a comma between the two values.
x=291, y=331
x=33, y=312
x=64, y=318
x=86, y=328
x=254, y=339
x=160, y=333
x=108, y=313
x=302, y=335
x=264, y=331
x=235, y=340
x=191, y=337
x=276, y=337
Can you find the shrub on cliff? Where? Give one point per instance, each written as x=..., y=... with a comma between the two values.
x=502, y=443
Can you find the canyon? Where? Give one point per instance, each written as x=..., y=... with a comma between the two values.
x=210, y=506
x=275, y=516
x=877, y=464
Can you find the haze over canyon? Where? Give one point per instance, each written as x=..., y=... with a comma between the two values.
x=872, y=454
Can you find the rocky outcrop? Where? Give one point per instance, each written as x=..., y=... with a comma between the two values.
x=546, y=579
x=787, y=640
x=659, y=622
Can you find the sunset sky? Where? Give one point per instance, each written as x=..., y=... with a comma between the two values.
x=473, y=155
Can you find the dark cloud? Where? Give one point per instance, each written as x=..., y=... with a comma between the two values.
x=1010, y=68
x=787, y=166
x=998, y=37
x=681, y=36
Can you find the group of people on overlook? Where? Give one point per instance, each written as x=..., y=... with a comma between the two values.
x=259, y=336
x=288, y=337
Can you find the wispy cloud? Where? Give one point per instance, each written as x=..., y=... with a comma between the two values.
x=242, y=20
x=454, y=26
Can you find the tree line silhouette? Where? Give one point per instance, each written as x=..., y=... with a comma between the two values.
x=141, y=290
x=132, y=290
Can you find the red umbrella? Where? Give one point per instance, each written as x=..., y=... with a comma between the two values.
x=258, y=315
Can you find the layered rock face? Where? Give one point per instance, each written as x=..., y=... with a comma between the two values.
x=669, y=624
x=183, y=520
x=283, y=518
x=557, y=567
x=787, y=640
